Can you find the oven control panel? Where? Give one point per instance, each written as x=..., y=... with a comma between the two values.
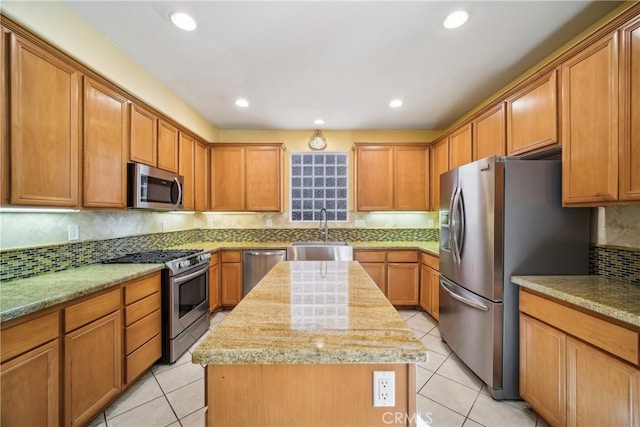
x=194, y=260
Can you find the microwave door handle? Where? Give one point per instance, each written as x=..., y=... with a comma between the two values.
x=175, y=205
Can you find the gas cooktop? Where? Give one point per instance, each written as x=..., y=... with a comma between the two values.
x=152, y=257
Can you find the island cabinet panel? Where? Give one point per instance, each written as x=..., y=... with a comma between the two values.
x=281, y=395
x=231, y=278
x=264, y=178
x=201, y=177
x=630, y=112
x=460, y=146
x=532, y=116
x=543, y=349
x=439, y=165
x=143, y=134
x=590, y=124
x=186, y=168
x=104, y=147
x=227, y=178
x=92, y=357
x=44, y=116
x=411, y=187
x=214, y=283
x=167, y=146
x=30, y=372
x=403, y=278
x=374, y=178
x=489, y=133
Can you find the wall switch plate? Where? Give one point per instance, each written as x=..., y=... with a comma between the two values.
x=359, y=222
x=430, y=223
x=384, y=388
x=210, y=222
x=74, y=232
x=269, y=222
x=165, y=225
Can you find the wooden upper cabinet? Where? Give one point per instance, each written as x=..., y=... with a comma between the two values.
x=167, y=146
x=630, y=112
x=439, y=165
x=460, y=146
x=374, y=178
x=201, y=178
x=144, y=136
x=489, y=133
x=590, y=124
x=411, y=178
x=105, y=147
x=44, y=115
x=186, y=169
x=263, y=170
x=5, y=163
x=227, y=178
x=532, y=116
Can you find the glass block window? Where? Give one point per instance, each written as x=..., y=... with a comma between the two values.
x=318, y=180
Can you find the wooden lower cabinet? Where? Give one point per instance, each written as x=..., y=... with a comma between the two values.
x=375, y=264
x=403, y=283
x=430, y=285
x=231, y=278
x=214, y=283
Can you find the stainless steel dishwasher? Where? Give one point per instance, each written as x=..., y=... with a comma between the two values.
x=257, y=263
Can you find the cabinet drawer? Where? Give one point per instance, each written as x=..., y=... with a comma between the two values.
x=29, y=335
x=402, y=256
x=215, y=258
x=141, y=331
x=141, y=359
x=370, y=256
x=139, y=309
x=431, y=261
x=598, y=332
x=139, y=289
x=80, y=314
x=231, y=256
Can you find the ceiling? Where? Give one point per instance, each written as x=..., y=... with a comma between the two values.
x=342, y=61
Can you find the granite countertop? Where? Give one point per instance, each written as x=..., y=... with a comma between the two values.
x=312, y=312
x=616, y=299
x=24, y=296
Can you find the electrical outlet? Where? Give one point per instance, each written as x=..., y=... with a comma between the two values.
x=269, y=222
x=359, y=222
x=430, y=223
x=384, y=388
x=74, y=232
x=165, y=225
x=210, y=222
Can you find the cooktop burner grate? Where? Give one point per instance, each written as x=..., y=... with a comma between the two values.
x=152, y=257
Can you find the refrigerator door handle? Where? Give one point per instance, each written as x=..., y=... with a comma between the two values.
x=452, y=226
x=462, y=299
x=460, y=231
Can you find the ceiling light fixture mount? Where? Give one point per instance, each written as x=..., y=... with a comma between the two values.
x=183, y=21
x=318, y=122
x=317, y=141
x=395, y=103
x=242, y=103
x=456, y=19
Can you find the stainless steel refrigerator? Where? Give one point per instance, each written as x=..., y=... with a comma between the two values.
x=501, y=217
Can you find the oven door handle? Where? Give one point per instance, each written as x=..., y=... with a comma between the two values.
x=182, y=279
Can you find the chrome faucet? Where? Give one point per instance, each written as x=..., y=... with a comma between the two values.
x=324, y=228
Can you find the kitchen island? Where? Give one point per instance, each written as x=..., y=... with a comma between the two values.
x=301, y=349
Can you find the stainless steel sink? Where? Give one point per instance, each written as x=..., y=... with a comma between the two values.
x=320, y=251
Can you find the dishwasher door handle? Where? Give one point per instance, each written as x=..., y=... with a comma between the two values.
x=262, y=253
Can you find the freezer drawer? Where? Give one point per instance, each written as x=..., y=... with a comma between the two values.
x=472, y=327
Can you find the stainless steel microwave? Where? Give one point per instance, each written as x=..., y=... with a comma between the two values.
x=153, y=188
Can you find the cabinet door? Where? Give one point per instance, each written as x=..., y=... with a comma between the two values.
x=426, y=294
x=630, y=112
x=460, y=147
x=542, y=369
x=5, y=117
x=374, y=178
x=44, y=115
x=227, y=178
x=231, y=284
x=411, y=178
x=601, y=390
x=167, y=146
x=186, y=169
x=105, y=147
x=214, y=287
x=489, y=133
x=377, y=272
x=532, y=116
x=143, y=143
x=93, y=368
x=435, y=294
x=590, y=124
x=440, y=165
x=201, y=178
x=403, y=283
x=263, y=178
x=30, y=387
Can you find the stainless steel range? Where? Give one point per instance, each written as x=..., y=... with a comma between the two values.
x=185, y=296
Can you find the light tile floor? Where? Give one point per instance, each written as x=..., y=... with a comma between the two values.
x=448, y=393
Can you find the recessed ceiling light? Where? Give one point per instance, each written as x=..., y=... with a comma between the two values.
x=396, y=103
x=318, y=121
x=242, y=103
x=456, y=19
x=183, y=21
